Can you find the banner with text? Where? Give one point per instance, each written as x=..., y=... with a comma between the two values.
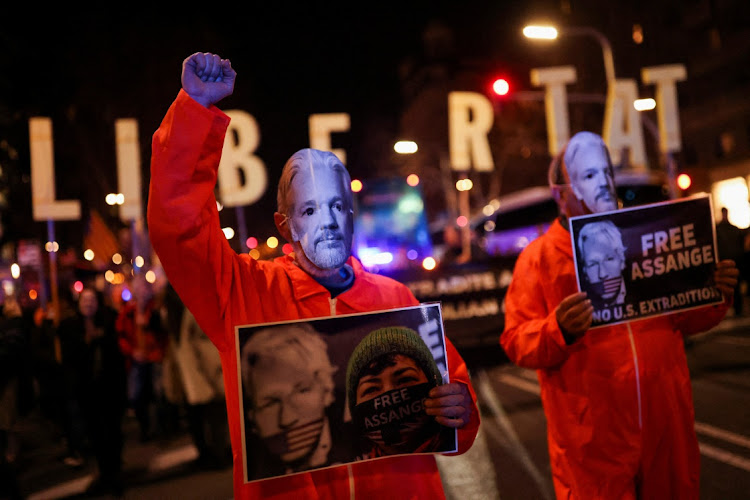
x=646, y=261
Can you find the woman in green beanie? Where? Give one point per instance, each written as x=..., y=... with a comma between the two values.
x=389, y=374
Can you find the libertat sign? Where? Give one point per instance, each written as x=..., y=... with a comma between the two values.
x=242, y=176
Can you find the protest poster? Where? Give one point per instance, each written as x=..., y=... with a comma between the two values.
x=329, y=391
x=646, y=261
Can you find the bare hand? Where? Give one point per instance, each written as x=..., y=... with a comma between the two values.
x=450, y=404
x=574, y=314
x=725, y=277
x=207, y=78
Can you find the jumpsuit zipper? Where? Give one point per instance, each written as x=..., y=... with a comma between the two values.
x=332, y=302
x=637, y=375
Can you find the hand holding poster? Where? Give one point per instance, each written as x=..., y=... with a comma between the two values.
x=646, y=261
x=335, y=390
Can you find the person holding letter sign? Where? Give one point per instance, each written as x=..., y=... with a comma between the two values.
x=617, y=399
x=321, y=278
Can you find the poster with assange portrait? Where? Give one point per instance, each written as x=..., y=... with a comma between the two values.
x=324, y=392
x=647, y=261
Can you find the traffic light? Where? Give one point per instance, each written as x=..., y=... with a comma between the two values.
x=501, y=86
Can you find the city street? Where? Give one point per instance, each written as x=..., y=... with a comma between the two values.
x=509, y=460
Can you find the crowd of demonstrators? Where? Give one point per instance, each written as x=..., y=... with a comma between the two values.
x=617, y=399
x=84, y=363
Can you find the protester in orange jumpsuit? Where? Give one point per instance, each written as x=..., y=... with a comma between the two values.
x=224, y=289
x=617, y=399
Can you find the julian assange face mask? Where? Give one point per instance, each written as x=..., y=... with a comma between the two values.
x=395, y=418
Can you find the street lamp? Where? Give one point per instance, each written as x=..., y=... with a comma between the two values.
x=551, y=33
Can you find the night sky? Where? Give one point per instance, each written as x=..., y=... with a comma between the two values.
x=85, y=70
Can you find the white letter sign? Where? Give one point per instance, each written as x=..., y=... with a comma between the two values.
x=128, y=168
x=622, y=124
x=240, y=142
x=43, y=203
x=321, y=126
x=470, y=117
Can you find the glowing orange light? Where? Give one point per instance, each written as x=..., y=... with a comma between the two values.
x=412, y=180
x=684, y=181
x=32, y=294
x=356, y=185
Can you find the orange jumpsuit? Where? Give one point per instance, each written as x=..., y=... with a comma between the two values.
x=618, y=401
x=224, y=289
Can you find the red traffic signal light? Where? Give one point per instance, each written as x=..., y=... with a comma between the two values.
x=501, y=86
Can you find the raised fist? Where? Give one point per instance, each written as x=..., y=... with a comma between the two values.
x=207, y=78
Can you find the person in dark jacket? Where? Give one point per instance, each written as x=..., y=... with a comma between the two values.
x=13, y=349
x=95, y=381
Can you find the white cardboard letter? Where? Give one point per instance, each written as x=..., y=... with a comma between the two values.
x=622, y=124
x=666, y=103
x=240, y=142
x=321, y=126
x=128, y=168
x=43, y=203
x=470, y=118
x=555, y=103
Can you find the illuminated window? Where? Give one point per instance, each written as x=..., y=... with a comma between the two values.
x=733, y=194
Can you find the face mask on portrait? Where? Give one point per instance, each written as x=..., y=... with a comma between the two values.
x=398, y=425
x=297, y=442
x=606, y=289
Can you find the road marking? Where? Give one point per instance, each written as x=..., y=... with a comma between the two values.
x=740, y=341
x=173, y=458
x=162, y=461
x=520, y=383
x=700, y=427
x=731, y=437
x=64, y=490
x=724, y=456
x=485, y=391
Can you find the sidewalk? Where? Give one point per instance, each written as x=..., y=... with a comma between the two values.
x=150, y=469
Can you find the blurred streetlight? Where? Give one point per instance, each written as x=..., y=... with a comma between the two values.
x=551, y=33
x=644, y=104
x=115, y=199
x=405, y=147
